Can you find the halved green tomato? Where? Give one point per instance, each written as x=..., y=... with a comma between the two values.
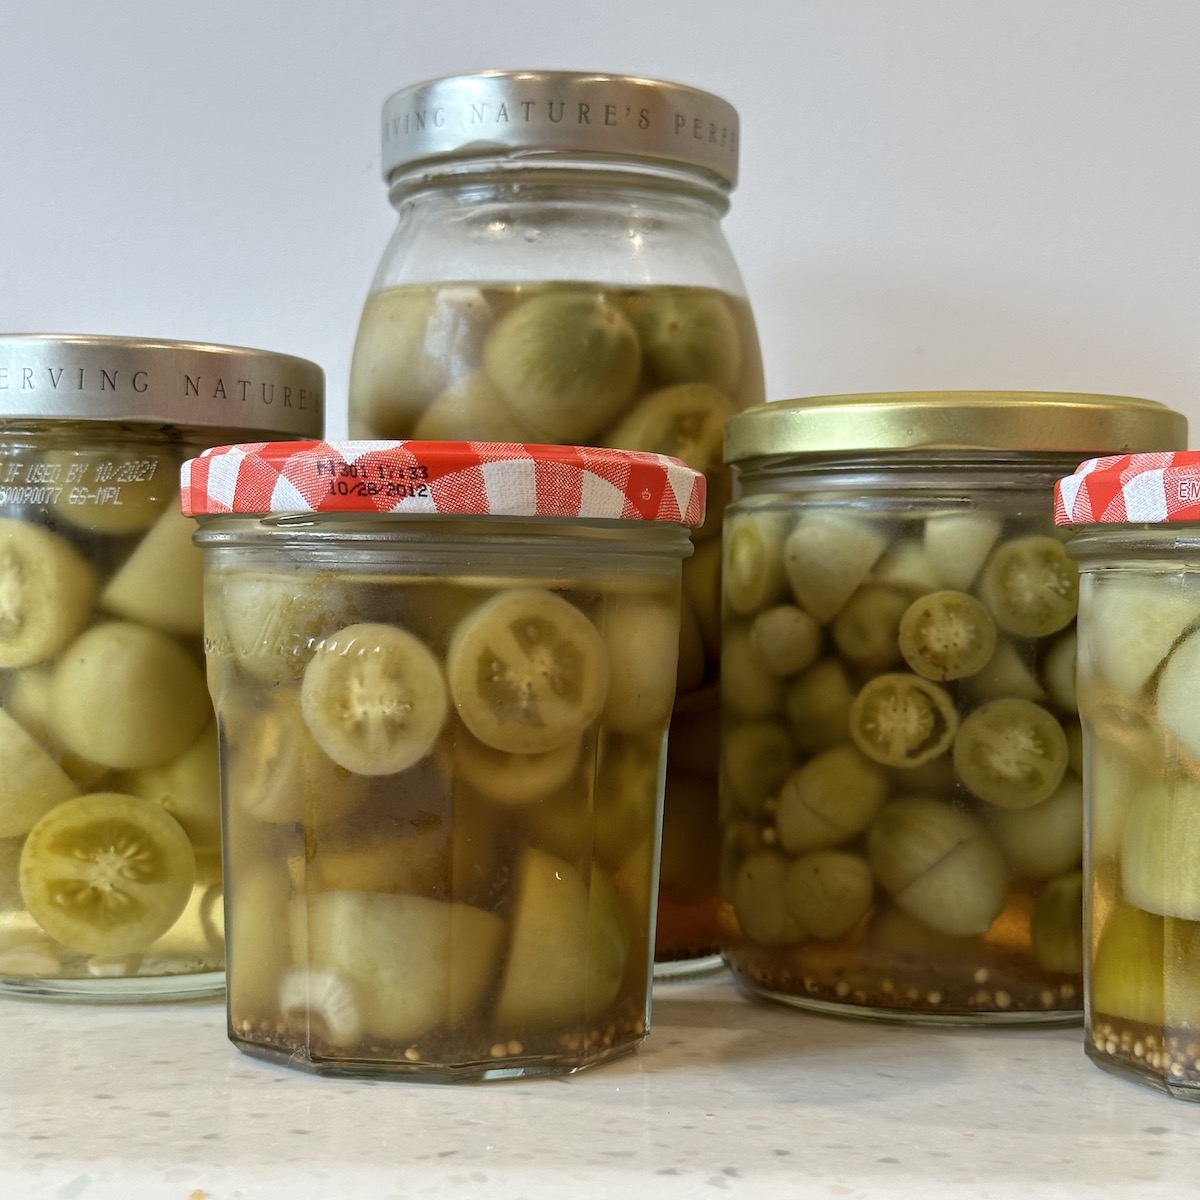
x=107, y=873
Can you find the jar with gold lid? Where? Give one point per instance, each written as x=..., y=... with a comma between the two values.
x=110, y=839
x=559, y=273
x=901, y=788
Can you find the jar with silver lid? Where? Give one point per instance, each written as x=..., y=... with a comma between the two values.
x=110, y=840
x=902, y=789
x=559, y=273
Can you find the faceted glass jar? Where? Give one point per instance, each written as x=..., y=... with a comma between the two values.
x=901, y=787
x=1139, y=609
x=110, y=842
x=555, y=279
x=419, y=883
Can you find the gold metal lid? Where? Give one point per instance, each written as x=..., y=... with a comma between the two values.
x=1026, y=422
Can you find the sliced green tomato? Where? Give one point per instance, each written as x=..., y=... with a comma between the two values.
x=939, y=865
x=107, y=873
x=374, y=698
x=826, y=556
x=1178, y=697
x=902, y=720
x=1132, y=623
x=528, y=671
x=640, y=636
x=514, y=778
x=568, y=948
x=1056, y=927
x=1011, y=753
x=411, y=963
x=46, y=593
x=31, y=782
x=1031, y=586
x=752, y=576
x=957, y=544
x=189, y=788
x=946, y=635
x=831, y=798
x=161, y=583
x=1160, y=845
x=1126, y=973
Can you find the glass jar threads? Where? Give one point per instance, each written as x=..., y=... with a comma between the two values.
x=110, y=865
x=901, y=796
x=559, y=273
x=1137, y=541
x=443, y=675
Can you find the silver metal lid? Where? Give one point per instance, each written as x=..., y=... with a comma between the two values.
x=545, y=112
x=93, y=377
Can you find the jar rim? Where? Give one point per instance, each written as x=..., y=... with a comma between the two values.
x=139, y=380
x=521, y=112
x=1080, y=422
x=424, y=478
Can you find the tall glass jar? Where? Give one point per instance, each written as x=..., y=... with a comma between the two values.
x=1137, y=541
x=110, y=840
x=559, y=274
x=901, y=799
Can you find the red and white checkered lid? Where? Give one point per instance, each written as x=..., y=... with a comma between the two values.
x=465, y=478
x=1137, y=489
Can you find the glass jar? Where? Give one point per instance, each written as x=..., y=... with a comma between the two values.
x=1137, y=542
x=901, y=801
x=559, y=274
x=443, y=675
x=110, y=865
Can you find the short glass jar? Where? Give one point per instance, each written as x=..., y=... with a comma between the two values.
x=1137, y=541
x=901, y=799
x=110, y=865
x=443, y=675
x=559, y=273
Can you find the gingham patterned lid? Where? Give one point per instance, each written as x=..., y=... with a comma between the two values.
x=465, y=478
x=1139, y=489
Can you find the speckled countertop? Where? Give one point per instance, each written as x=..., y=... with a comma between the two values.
x=728, y=1096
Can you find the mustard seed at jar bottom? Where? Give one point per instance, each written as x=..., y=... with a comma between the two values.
x=1137, y=541
x=901, y=770
x=554, y=278
x=110, y=840
x=443, y=676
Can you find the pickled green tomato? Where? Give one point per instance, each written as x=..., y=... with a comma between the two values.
x=1056, y=927
x=106, y=873
x=1031, y=586
x=831, y=798
x=688, y=336
x=759, y=898
x=566, y=362
x=46, y=593
x=946, y=635
x=826, y=556
x=1127, y=967
x=939, y=865
x=902, y=720
x=752, y=572
x=1046, y=839
x=1011, y=753
x=127, y=696
x=1179, y=694
x=374, y=698
x=867, y=627
x=527, y=671
x=756, y=757
x=31, y=784
x=957, y=545
x=829, y=891
x=817, y=706
x=1160, y=841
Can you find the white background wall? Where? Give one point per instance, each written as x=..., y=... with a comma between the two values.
x=935, y=193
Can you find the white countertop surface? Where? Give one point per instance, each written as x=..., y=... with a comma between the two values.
x=728, y=1096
